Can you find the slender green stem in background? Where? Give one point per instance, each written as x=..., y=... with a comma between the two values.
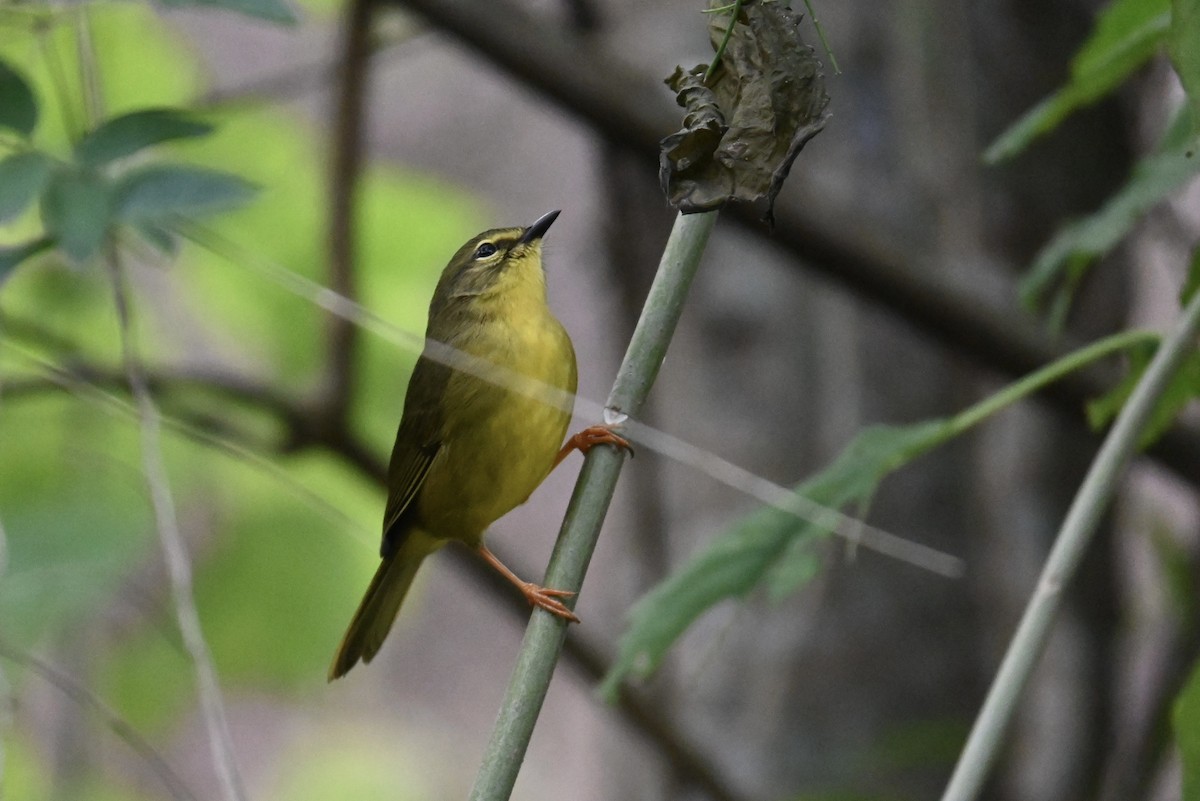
x=1090, y=502
x=712, y=67
x=58, y=79
x=179, y=569
x=577, y=539
x=821, y=35
x=1019, y=390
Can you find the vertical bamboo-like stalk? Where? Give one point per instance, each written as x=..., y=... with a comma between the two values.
x=1072, y=541
x=593, y=491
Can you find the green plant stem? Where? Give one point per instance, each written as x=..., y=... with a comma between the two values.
x=1089, y=504
x=593, y=491
x=179, y=569
x=58, y=79
x=733, y=18
x=821, y=35
x=1019, y=390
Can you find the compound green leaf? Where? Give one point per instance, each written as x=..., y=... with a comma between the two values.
x=77, y=210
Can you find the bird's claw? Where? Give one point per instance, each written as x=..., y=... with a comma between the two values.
x=592, y=436
x=547, y=599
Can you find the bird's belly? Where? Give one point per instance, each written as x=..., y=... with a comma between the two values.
x=496, y=455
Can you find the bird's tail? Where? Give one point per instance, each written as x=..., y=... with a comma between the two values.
x=379, y=605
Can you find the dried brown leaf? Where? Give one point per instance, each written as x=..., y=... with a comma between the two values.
x=744, y=130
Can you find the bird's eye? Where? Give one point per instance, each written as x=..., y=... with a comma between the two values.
x=485, y=250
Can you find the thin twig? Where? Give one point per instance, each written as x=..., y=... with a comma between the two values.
x=593, y=491
x=178, y=566
x=342, y=334
x=734, y=11
x=85, y=698
x=821, y=35
x=1090, y=502
x=58, y=79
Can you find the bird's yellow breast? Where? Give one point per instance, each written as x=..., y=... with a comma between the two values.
x=499, y=443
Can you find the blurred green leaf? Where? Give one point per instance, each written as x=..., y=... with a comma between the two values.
x=26, y=774
x=269, y=10
x=22, y=176
x=1127, y=33
x=74, y=512
x=18, y=106
x=11, y=257
x=1075, y=247
x=76, y=210
x=1102, y=410
x=1183, y=45
x=770, y=545
x=127, y=134
x=1192, y=282
x=161, y=191
x=917, y=744
x=162, y=239
x=1183, y=388
x=262, y=580
x=1186, y=720
x=1181, y=586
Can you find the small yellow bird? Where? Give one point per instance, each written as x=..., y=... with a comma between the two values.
x=468, y=450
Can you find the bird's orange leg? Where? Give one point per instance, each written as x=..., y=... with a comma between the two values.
x=589, y=438
x=541, y=597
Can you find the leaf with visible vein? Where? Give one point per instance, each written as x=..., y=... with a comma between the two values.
x=770, y=547
x=162, y=191
x=127, y=134
x=1126, y=34
x=1076, y=246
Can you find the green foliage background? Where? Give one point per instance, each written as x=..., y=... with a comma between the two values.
x=273, y=563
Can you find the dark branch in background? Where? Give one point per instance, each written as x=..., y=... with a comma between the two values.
x=584, y=16
x=634, y=112
x=347, y=164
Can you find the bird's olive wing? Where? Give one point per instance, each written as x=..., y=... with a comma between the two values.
x=417, y=443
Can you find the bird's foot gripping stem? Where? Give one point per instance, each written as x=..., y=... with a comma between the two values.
x=541, y=597
x=589, y=438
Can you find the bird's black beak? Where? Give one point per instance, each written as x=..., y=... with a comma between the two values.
x=536, y=231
